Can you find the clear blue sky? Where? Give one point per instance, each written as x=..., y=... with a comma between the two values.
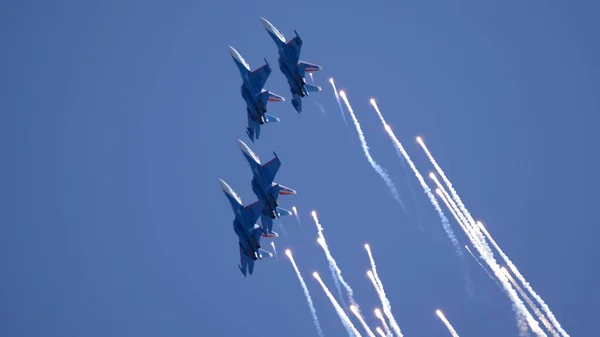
x=118, y=117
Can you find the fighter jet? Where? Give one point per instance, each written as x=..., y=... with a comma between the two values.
x=247, y=230
x=266, y=190
x=291, y=66
x=255, y=95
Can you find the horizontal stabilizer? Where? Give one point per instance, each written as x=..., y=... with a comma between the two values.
x=265, y=253
x=284, y=212
x=313, y=88
x=282, y=190
x=271, y=119
x=266, y=96
x=270, y=235
x=305, y=67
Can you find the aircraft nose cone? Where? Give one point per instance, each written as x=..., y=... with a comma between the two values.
x=232, y=51
x=224, y=185
x=242, y=145
x=266, y=23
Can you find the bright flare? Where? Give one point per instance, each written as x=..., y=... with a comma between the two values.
x=337, y=98
x=295, y=210
x=387, y=307
x=385, y=326
x=447, y=323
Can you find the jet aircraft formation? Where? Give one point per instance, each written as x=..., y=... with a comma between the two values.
x=253, y=82
x=266, y=190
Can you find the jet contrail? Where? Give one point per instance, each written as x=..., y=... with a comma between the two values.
x=515, y=271
x=336, y=273
x=354, y=310
x=385, y=303
x=378, y=314
x=447, y=323
x=535, y=309
x=274, y=249
x=365, y=147
x=337, y=98
x=523, y=315
x=380, y=332
x=345, y=319
x=313, y=311
x=432, y=199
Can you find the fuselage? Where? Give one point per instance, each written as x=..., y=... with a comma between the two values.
x=249, y=243
x=242, y=228
x=255, y=107
x=289, y=71
x=268, y=200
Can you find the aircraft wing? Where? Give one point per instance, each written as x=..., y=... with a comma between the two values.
x=292, y=50
x=269, y=170
x=252, y=213
x=259, y=76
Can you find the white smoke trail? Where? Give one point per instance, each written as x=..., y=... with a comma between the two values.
x=447, y=323
x=365, y=147
x=336, y=273
x=523, y=315
x=380, y=332
x=535, y=309
x=482, y=267
x=345, y=319
x=515, y=271
x=373, y=265
x=311, y=78
x=337, y=98
x=447, y=181
x=313, y=311
x=385, y=303
x=274, y=249
x=472, y=233
x=432, y=199
x=354, y=310
x=385, y=326
x=462, y=225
